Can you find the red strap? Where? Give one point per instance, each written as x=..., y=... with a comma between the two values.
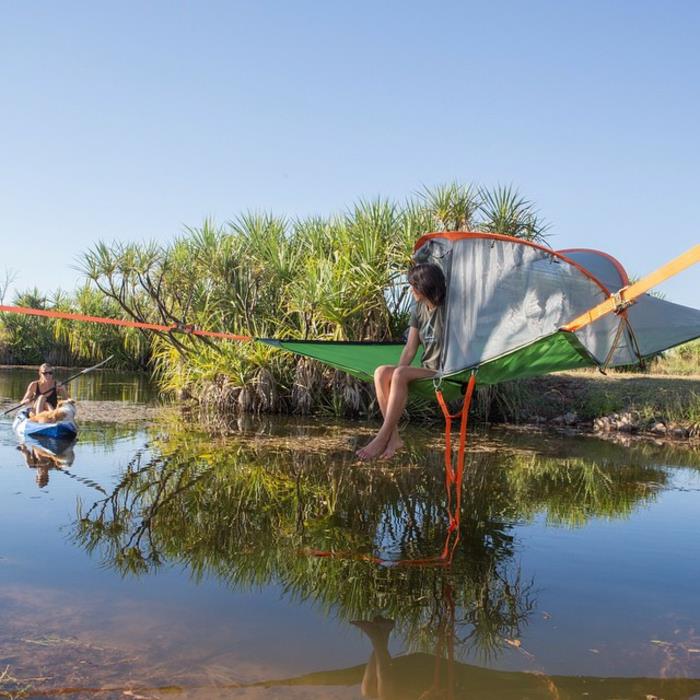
x=449, y=472
x=121, y=322
x=453, y=476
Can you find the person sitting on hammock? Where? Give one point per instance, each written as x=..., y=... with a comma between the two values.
x=391, y=382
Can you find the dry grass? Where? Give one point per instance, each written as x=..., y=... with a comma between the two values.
x=591, y=394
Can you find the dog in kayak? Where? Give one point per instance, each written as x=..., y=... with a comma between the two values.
x=65, y=410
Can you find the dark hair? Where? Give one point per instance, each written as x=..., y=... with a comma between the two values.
x=428, y=279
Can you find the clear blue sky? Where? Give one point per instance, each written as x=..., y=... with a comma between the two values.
x=130, y=120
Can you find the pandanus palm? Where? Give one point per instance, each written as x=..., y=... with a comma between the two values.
x=341, y=277
x=504, y=210
x=452, y=207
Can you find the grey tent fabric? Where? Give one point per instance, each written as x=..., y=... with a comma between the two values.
x=602, y=266
x=659, y=324
x=656, y=324
x=505, y=294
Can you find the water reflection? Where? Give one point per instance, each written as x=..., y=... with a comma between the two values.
x=101, y=385
x=45, y=454
x=251, y=515
x=247, y=515
x=421, y=676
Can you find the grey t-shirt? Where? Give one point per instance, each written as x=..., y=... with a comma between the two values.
x=431, y=326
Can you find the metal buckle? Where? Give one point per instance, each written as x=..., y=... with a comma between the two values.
x=620, y=303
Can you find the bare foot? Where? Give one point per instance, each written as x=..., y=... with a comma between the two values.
x=393, y=446
x=373, y=449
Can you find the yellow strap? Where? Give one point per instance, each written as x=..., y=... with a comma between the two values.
x=626, y=295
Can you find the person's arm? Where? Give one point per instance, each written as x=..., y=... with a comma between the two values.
x=29, y=394
x=411, y=348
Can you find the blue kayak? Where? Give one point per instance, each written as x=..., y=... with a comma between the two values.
x=24, y=427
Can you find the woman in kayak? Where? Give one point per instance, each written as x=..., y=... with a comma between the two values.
x=44, y=392
x=391, y=382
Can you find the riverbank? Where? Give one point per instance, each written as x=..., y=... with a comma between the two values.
x=659, y=405
x=113, y=412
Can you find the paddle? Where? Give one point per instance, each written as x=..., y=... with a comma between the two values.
x=63, y=383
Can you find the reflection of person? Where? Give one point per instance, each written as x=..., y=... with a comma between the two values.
x=44, y=392
x=44, y=460
x=379, y=680
x=391, y=382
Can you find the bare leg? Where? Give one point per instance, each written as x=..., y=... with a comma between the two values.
x=398, y=394
x=382, y=385
x=369, y=679
x=381, y=680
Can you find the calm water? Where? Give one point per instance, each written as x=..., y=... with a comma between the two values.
x=99, y=385
x=165, y=559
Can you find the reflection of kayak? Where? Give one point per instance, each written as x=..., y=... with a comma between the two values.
x=58, y=450
x=24, y=427
x=46, y=453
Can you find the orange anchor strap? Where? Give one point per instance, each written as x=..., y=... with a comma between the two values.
x=47, y=313
x=449, y=471
x=463, y=444
x=620, y=300
x=452, y=475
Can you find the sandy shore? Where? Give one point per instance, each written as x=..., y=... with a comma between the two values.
x=107, y=412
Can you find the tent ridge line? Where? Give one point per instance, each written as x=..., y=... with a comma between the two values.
x=460, y=235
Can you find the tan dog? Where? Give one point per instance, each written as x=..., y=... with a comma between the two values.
x=65, y=410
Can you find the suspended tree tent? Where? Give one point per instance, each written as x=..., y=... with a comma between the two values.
x=516, y=309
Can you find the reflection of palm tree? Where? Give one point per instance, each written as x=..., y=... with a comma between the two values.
x=244, y=517
x=245, y=514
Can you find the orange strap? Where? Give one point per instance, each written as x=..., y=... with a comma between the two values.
x=619, y=301
x=188, y=329
x=454, y=476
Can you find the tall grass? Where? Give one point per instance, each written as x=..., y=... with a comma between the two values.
x=683, y=360
x=334, y=278
x=339, y=277
x=33, y=340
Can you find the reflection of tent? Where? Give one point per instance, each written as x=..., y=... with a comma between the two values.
x=516, y=309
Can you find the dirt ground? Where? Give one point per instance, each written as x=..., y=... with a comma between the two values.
x=108, y=412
